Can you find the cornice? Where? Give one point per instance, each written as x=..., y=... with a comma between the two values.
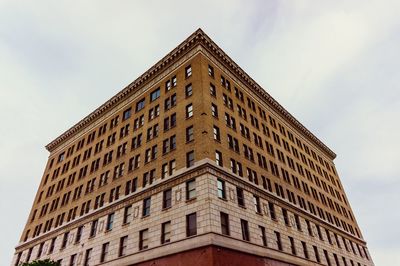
x=198, y=37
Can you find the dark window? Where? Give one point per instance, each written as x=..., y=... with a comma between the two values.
x=191, y=189
x=165, y=232
x=221, y=189
x=263, y=235
x=224, y=223
x=189, y=134
x=256, y=201
x=278, y=240
x=127, y=214
x=318, y=259
x=305, y=250
x=88, y=256
x=213, y=91
x=191, y=224
x=146, y=206
x=123, y=243
x=110, y=222
x=65, y=240
x=104, y=252
x=190, y=159
x=143, y=239
x=240, y=196
x=272, y=210
x=127, y=113
x=155, y=95
x=210, y=71
x=93, y=228
x=188, y=90
x=79, y=234
x=140, y=105
x=218, y=158
x=214, y=110
x=292, y=245
x=188, y=71
x=216, y=133
x=245, y=230
x=167, y=198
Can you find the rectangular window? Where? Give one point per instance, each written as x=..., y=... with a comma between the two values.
x=65, y=240
x=165, y=232
x=104, y=252
x=214, y=110
x=93, y=228
x=189, y=134
x=140, y=105
x=146, y=207
x=272, y=210
x=191, y=189
x=189, y=110
x=123, y=243
x=72, y=261
x=317, y=258
x=210, y=71
x=188, y=71
x=79, y=234
x=263, y=235
x=327, y=257
x=305, y=250
x=213, y=91
x=144, y=239
x=88, y=256
x=224, y=223
x=245, y=230
x=256, y=201
x=191, y=225
x=127, y=214
x=292, y=245
x=221, y=189
x=110, y=222
x=278, y=240
x=190, y=159
x=155, y=95
x=240, y=196
x=167, y=198
x=127, y=113
x=188, y=90
x=216, y=133
x=218, y=158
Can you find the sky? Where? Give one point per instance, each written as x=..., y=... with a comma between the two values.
x=334, y=65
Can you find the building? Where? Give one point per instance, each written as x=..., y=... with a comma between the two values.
x=191, y=161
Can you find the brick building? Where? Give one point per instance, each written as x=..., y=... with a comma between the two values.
x=192, y=163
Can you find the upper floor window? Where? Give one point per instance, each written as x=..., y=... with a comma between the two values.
x=218, y=158
x=190, y=189
x=140, y=105
x=191, y=224
x=167, y=198
x=146, y=207
x=143, y=239
x=110, y=221
x=188, y=90
x=245, y=230
x=189, y=110
x=189, y=134
x=188, y=71
x=155, y=95
x=210, y=71
x=221, y=189
x=127, y=113
x=190, y=159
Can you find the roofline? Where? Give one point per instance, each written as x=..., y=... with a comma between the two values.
x=198, y=37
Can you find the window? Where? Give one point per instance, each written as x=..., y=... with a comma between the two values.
x=245, y=230
x=327, y=257
x=191, y=189
x=52, y=245
x=65, y=240
x=292, y=245
x=240, y=196
x=191, y=224
x=214, y=110
x=256, y=201
x=165, y=232
x=305, y=251
x=189, y=110
x=155, y=95
x=88, y=256
x=278, y=240
x=188, y=90
x=143, y=239
x=93, y=228
x=213, y=91
x=140, y=105
x=167, y=198
x=72, y=261
x=146, y=207
x=272, y=210
x=217, y=135
x=210, y=71
x=188, y=71
x=104, y=252
x=190, y=159
x=285, y=217
x=316, y=254
x=221, y=189
x=189, y=134
x=79, y=234
x=127, y=114
x=110, y=222
x=123, y=242
x=127, y=214
x=218, y=158
x=224, y=223
x=263, y=235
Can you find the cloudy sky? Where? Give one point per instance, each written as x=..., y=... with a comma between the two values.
x=333, y=64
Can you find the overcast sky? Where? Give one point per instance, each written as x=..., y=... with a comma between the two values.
x=334, y=66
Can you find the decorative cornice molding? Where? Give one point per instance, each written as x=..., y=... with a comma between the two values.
x=198, y=37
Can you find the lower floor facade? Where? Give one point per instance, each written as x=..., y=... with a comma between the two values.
x=203, y=215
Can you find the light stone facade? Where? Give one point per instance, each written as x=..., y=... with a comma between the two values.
x=310, y=168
